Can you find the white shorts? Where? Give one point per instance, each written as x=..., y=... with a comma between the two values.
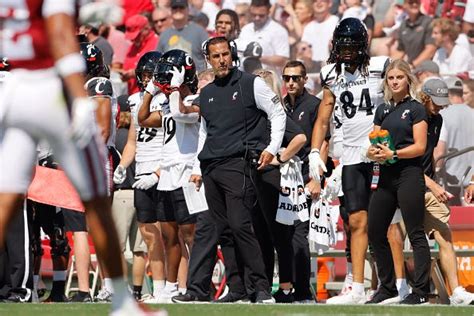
x=33, y=107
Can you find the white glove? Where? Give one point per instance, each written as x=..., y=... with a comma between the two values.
x=178, y=77
x=333, y=184
x=83, y=126
x=151, y=88
x=315, y=163
x=120, y=174
x=146, y=182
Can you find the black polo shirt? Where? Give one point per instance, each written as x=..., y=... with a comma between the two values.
x=304, y=113
x=434, y=128
x=414, y=36
x=399, y=122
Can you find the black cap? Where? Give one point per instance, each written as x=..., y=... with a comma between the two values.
x=179, y=3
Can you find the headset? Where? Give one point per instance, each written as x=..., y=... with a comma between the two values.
x=232, y=46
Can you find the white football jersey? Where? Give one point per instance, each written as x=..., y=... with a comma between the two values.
x=180, y=138
x=357, y=97
x=149, y=140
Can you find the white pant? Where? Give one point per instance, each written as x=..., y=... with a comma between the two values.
x=33, y=107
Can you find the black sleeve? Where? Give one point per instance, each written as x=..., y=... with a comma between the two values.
x=379, y=114
x=100, y=87
x=291, y=130
x=418, y=113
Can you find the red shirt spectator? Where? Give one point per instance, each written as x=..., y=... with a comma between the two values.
x=143, y=39
x=134, y=7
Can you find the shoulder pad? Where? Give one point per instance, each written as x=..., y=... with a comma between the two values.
x=377, y=66
x=99, y=87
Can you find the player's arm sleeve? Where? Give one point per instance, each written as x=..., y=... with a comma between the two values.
x=267, y=101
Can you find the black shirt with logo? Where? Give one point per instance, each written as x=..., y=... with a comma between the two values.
x=399, y=121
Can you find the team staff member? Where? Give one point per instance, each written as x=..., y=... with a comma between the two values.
x=435, y=97
x=232, y=132
x=401, y=184
x=302, y=107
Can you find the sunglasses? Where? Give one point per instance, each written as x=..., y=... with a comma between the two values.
x=160, y=20
x=295, y=78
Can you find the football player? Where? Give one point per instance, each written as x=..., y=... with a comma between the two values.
x=45, y=99
x=352, y=82
x=99, y=88
x=175, y=76
x=144, y=145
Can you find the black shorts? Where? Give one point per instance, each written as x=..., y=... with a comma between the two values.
x=46, y=217
x=356, y=181
x=172, y=208
x=145, y=202
x=74, y=221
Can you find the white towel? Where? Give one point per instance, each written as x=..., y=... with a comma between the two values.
x=322, y=233
x=292, y=204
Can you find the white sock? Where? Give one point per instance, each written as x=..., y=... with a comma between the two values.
x=36, y=279
x=120, y=290
x=182, y=290
x=109, y=284
x=358, y=287
x=158, y=286
x=401, y=284
x=59, y=275
x=171, y=287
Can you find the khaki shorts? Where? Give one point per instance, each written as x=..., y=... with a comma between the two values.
x=436, y=216
x=125, y=220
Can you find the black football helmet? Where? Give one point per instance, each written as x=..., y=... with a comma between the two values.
x=175, y=58
x=350, y=35
x=94, y=61
x=4, y=64
x=147, y=63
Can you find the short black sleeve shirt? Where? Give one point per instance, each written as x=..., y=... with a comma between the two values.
x=399, y=121
x=434, y=128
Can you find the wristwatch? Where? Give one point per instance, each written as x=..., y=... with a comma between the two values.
x=279, y=158
x=395, y=156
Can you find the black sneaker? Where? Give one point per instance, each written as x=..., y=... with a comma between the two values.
x=17, y=298
x=415, y=299
x=281, y=297
x=56, y=298
x=232, y=297
x=81, y=297
x=383, y=299
x=187, y=298
x=264, y=297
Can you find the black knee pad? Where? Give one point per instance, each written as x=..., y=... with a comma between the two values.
x=59, y=244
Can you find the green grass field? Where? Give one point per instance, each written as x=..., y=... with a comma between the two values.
x=238, y=310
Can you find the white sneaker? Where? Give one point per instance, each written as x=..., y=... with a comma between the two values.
x=149, y=300
x=346, y=299
x=166, y=294
x=461, y=297
x=104, y=296
x=130, y=307
x=370, y=295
